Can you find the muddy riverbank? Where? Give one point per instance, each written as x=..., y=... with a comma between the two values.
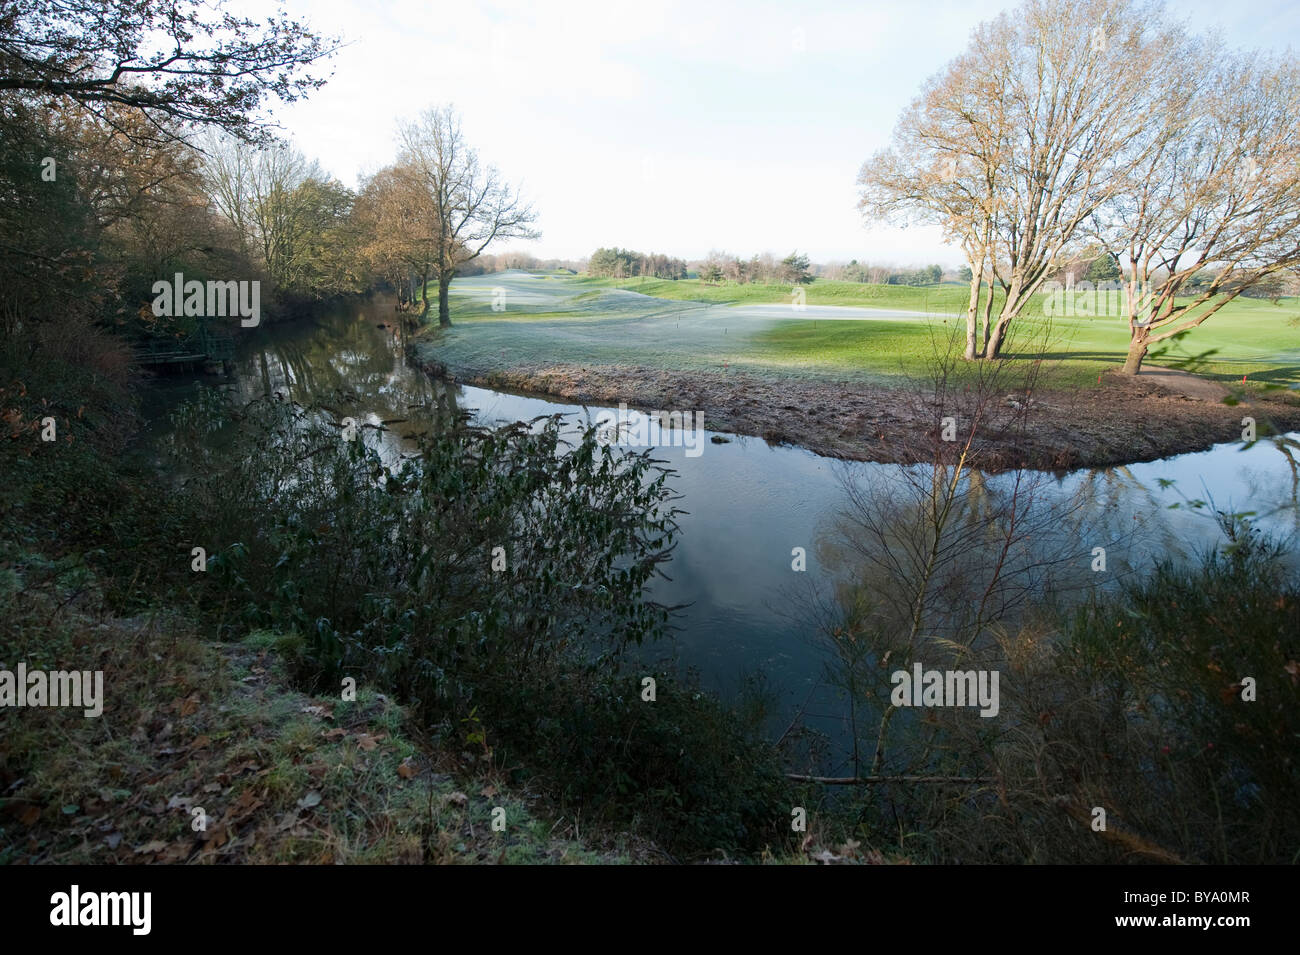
x=1117, y=421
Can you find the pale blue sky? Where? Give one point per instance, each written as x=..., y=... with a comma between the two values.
x=669, y=127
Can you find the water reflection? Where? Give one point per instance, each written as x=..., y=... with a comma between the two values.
x=352, y=364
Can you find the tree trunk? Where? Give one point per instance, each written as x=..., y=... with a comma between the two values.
x=1012, y=305
x=444, y=312
x=1137, y=350
x=988, y=314
x=996, y=337
x=424, y=286
x=972, y=309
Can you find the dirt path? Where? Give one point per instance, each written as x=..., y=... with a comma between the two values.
x=1182, y=383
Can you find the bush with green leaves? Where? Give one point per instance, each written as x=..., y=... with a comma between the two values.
x=492, y=578
x=500, y=546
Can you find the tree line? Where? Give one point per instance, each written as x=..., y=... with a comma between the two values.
x=624, y=263
x=764, y=269
x=716, y=268
x=121, y=165
x=927, y=275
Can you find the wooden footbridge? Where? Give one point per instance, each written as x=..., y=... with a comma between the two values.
x=206, y=345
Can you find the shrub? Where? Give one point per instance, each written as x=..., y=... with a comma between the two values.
x=494, y=580
x=1133, y=703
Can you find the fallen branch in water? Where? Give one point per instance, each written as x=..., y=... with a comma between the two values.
x=872, y=780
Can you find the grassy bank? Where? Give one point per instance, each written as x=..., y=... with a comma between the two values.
x=205, y=753
x=94, y=575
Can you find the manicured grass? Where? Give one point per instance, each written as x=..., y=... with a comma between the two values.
x=938, y=298
x=686, y=325
x=1258, y=342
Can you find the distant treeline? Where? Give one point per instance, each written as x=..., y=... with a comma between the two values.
x=624, y=263
x=519, y=260
x=765, y=269
x=929, y=275
x=720, y=267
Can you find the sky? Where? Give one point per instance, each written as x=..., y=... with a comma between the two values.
x=673, y=127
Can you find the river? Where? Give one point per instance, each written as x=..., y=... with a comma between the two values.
x=748, y=505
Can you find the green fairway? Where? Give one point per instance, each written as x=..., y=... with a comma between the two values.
x=939, y=298
x=684, y=325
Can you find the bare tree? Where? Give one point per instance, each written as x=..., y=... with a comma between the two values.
x=472, y=205
x=947, y=162
x=1020, y=140
x=228, y=173
x=277, y=213
x=712, y=269
x=1217, y=195
x=276, y=199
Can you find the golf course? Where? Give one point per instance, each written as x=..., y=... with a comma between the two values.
x=840, y=372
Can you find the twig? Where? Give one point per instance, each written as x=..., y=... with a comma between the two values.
x=872, y=780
